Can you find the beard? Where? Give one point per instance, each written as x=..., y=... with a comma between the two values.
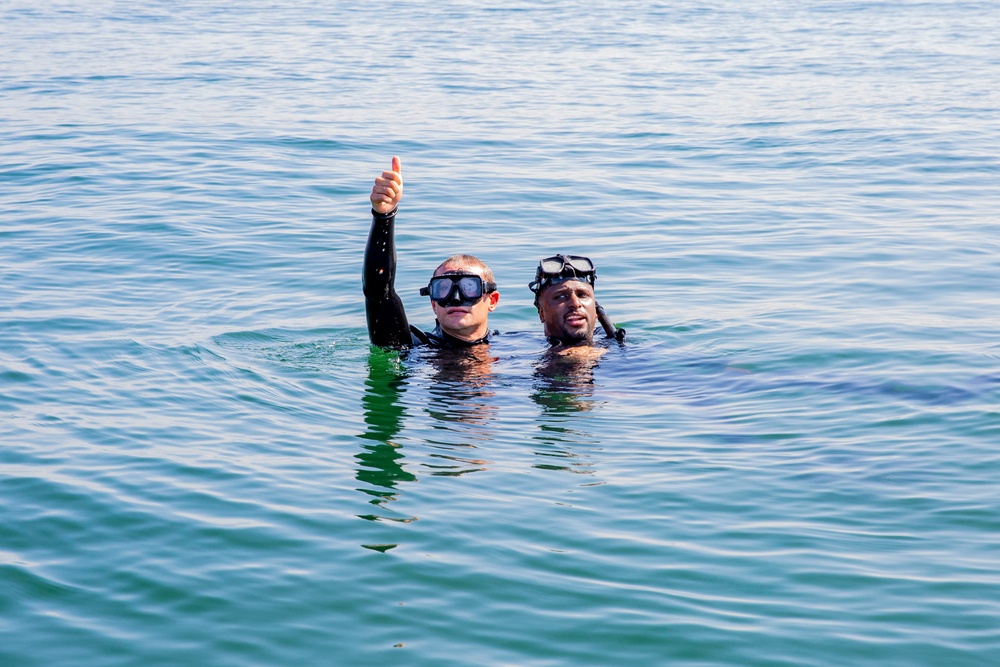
x=576, y=335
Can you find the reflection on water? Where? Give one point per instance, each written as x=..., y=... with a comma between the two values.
x=458, y=390
x=460, y=385
x=564, y=385
x=460, y=396
x=564, y=380
x=380, y=466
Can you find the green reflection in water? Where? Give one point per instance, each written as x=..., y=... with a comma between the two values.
x=380, y=462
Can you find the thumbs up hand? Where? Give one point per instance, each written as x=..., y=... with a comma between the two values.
x=388, y=188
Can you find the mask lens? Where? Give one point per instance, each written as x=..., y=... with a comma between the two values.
x=440, y=288
x=470, y=287
x=581, y=264
x=552, y=265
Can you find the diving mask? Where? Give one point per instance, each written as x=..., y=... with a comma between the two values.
x=462, y=288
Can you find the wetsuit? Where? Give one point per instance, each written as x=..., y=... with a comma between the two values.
x=387, y=324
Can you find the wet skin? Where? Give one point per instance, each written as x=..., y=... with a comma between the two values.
x=568, y=312
x=466, y=321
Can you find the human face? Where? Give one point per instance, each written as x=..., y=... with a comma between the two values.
x=568, y=311
x=465, y=321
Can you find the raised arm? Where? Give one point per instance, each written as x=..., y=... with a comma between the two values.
x=387, y=324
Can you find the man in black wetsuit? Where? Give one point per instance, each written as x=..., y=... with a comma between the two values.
x=564, y=297
x=462, y=289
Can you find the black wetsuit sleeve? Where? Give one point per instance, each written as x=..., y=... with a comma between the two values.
x=387, y=325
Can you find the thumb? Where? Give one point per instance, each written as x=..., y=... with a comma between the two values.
x=396, y=165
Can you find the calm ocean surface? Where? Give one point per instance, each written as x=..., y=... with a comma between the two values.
x=793, y=207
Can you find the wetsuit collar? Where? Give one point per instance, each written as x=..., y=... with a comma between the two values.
x=445, y=339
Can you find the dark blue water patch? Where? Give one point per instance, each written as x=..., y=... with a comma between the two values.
x=324, y=145
x=860, y=387
x=61, y=174
x=61, y=324
x=11, y=376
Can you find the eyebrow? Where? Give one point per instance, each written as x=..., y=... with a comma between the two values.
x=566, y=288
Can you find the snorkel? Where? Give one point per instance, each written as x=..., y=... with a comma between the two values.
x=609, y=327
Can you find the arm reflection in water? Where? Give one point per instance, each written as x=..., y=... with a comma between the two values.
x=380, y=463
x=460, y=400
x=457, y=399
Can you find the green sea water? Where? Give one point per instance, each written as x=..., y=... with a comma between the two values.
x=792, y=461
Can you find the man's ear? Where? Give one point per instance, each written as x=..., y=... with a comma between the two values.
x=494, y=298
x=541, y=316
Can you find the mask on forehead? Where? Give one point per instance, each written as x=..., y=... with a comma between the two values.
x=560, y=268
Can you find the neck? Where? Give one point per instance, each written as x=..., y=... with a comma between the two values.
x=468, y=336
x=478, y=335
x=555, y=341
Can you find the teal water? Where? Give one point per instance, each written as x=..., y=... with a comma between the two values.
x=793, y=210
